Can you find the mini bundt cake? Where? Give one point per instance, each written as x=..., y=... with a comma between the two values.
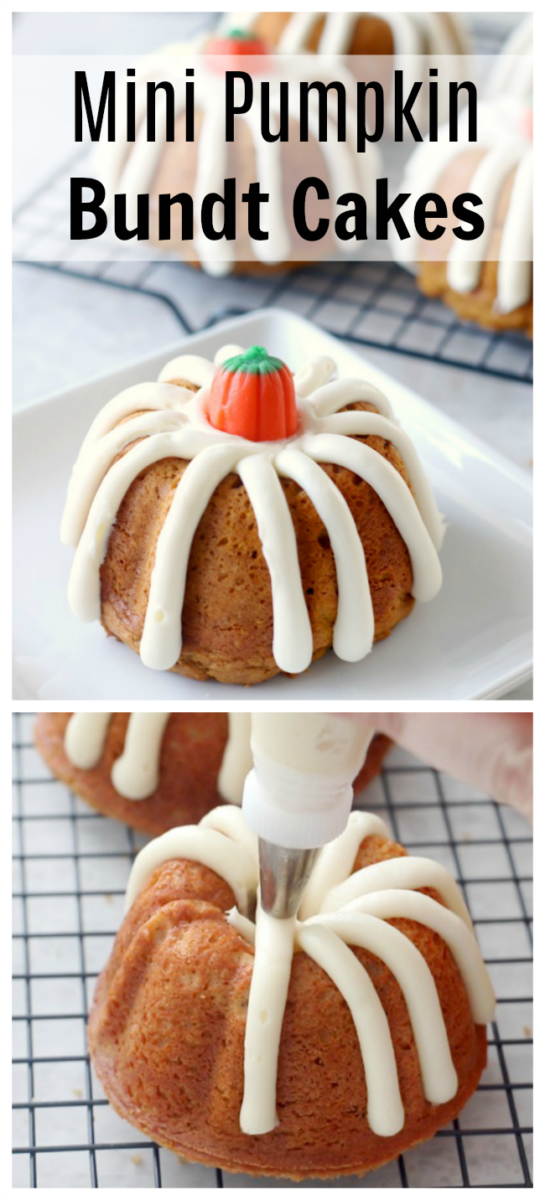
x=318, y=1046
x=158, y=770
x=197, y=161
x=489, y=281
x=405, y=39
x=355, y=32
x=234, y=522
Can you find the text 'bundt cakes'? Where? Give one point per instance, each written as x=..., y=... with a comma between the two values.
x=235, y=521
x=181, y=169
x=489, y=281
x=317, y=1046
x=158, y=770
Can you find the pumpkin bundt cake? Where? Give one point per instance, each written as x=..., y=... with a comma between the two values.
x=198, y=163
x=318, y=1046
x=489, y=281
x=235, y=521
x=157, y=770
x=355, y=32
x=402, y=40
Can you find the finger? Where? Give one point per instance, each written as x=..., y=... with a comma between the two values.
x=491, y=751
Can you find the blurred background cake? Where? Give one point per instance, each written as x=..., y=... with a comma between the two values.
x=490, y=282
x=158, y=770
x=198, y=164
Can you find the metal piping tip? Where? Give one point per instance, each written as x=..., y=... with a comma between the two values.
x=284, y=875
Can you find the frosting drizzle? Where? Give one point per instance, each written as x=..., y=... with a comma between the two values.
x=135, y=774
x=339, y=911
x=177, y=427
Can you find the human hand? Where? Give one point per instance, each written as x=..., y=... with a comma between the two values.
x=491, y=751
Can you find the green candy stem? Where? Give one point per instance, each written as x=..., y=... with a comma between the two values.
x=255, y=361
x=240, y=35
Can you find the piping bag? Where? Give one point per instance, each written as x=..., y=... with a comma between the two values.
x=299, y=795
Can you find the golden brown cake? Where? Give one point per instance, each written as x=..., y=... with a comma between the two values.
x=357, y=32
x=244, y=521
x=175, y=770
x=489, y=281
x=198, y=161
x=365, y=1036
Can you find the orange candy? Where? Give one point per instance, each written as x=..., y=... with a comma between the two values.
x=238, y=44
x=252, y=396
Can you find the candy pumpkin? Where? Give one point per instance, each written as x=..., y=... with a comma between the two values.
x=239, y=43
x=252, y=396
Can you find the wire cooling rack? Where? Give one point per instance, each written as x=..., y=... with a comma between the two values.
x=71, y=867
x=369, y=304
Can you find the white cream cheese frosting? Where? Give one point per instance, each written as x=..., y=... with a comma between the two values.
x=173, y=424
x=413, y=33
x=414, y=36
x=506, y=146
x=130, y=168
x=339, y=911
x=135, y=774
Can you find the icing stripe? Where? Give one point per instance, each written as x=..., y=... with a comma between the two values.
x=384, y=1106
x=191, y=367
x=337, y=32
x=161, y=642
x=464, y=260
x=328, y=399
x=504, y=76
x=417, y=984
x=414, y=906
x=230, y=822
x=397, y=499
x=266, y=1004
x=237, y=760
x=296, y=32
x=354, y=627
x=84, y=585
x=515, y=277
x=221, y=854
x=85, y=738
x=211, y=172
x=292, y=636
x=502, y=147
x=336, y=860
x=99, y=458
x=374, y=425
x=135, y=775
x=403, y=872
x=142, y=397
x=314, y=375
x=242, y=925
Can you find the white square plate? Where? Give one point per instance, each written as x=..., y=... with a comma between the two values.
x=474, y=641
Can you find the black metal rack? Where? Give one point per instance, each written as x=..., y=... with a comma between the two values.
x=71, y=867
x=373, y=305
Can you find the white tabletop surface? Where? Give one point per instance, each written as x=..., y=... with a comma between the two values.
x=67, y=330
